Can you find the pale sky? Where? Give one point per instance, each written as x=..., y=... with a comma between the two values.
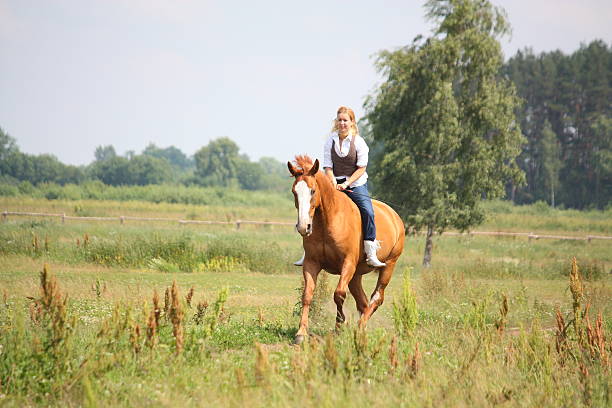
x=76, y=74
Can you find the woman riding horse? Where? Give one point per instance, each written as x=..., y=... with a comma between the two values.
x=345, y=157
x=333, y=226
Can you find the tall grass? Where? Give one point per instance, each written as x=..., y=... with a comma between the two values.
x=185, y=251
x=146, y=354
x=495, y=321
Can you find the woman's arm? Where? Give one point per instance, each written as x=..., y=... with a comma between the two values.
x=358, y=173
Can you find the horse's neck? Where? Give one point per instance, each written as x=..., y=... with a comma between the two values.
x=329, y=198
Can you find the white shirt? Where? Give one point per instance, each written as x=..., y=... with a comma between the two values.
x=362, y=155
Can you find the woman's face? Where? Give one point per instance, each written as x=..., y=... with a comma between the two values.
x=344, y=123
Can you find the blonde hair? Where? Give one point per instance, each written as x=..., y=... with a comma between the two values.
x=344, y=109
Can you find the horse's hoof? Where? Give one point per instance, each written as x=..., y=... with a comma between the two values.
x=299, y=339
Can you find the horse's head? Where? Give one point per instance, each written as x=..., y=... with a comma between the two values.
x=305, y=192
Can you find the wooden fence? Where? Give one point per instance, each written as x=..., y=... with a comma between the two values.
x=122, y=219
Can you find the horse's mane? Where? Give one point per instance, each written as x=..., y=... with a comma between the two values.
x=304, y=161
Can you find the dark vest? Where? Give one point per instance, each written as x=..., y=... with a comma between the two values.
x=344, y=166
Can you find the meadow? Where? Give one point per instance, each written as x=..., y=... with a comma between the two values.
x=161, y=314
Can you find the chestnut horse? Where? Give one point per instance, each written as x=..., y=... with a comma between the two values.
x=330, y=224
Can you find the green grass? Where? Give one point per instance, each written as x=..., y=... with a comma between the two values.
x=100, y=354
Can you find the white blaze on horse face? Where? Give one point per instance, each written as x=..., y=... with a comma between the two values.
x=303, y=197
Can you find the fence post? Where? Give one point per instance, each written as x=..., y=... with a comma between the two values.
x=5, y=216
x=122, y=219
x=237, y=224
x=63, y=218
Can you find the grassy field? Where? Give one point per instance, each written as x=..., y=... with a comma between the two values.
x=479, y=328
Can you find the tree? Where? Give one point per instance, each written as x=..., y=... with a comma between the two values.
x=143, y=170
x=250, y=175
x=112, y=171
x=174, y=155
x=602, y=159
x=551, y=160
x=8, y=145
x=103, y=153
x=217, y=163
x=446, y=120
x=8, y=149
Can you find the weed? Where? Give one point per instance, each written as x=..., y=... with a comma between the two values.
x=198, y=317
x=405, y=310
x=176, y=317
x=262, y=365
x=501, y=323
x=189, y=297
x=320, y=299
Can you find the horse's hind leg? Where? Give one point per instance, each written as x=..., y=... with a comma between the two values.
x=346, y=275
x=358, y=293
x=378, y=296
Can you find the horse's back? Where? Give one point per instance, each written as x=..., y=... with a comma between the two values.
x=389, y=231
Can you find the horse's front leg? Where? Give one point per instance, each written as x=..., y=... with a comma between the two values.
x=310, y=271
x=347, y=273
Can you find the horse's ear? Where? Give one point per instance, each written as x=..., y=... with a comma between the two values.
x=315, y=168
x=292, y=169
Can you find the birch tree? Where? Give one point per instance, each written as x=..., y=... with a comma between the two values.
x=446, y=120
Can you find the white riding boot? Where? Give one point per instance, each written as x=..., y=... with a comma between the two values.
x=370, y=248
x=301, y=261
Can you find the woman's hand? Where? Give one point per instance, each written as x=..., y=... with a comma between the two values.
x=342, y=186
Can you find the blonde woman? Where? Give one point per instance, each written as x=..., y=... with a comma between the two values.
x=345, y=158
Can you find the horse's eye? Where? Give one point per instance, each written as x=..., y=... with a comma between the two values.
x=312, y=191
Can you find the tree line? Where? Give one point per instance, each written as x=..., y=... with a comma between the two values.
x=218, y=164
x=566, y=118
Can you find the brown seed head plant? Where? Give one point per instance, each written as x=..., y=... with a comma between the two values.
x=262, y=364
x=577, y=290
x=54, y=310
x=176, y=317
x=501, y=323
x=260, y=317
x=166, y=303
x=585, y=380
x=561, y=336
x=35, y=247
x=198, y=317
x=360, y=340
x=135, y=338
x=35, y=311
x=415, y=361
x=596, y=340
x=240, y=378
x=152, y=330
x=189, y=297
x=156, y=310
x=331, y=354
x=393, y=354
